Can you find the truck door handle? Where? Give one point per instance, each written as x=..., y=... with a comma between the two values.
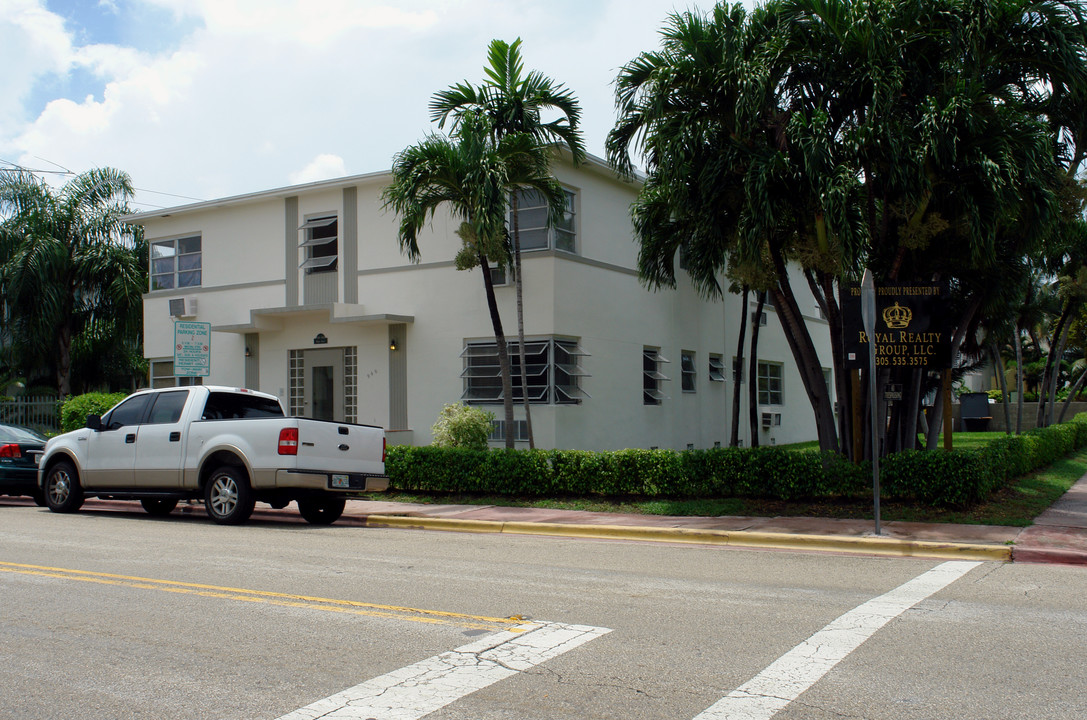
x=130, y=438
x=175, y=436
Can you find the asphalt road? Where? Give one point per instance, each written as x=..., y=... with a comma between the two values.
x=119, y=615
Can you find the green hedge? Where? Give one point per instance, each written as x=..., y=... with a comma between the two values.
x=761, y=472
x=74, y=412
x=955, y=478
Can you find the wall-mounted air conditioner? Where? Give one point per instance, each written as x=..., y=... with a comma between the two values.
x=770, y=420
x=183, y=307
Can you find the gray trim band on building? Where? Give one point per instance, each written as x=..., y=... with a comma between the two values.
x=350, y=236
x=535, y=253
x=290, y=243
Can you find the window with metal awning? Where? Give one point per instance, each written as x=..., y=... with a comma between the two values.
x=553, y=372
x=321, y=243
x=652, y=377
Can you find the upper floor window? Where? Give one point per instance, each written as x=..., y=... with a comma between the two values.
x=321, y=243
x=553, y=367
x=771, y=383
x=687, y=371
x=175, y=263
x=532, y=223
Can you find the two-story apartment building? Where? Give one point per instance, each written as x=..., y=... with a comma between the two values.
x=309, y=298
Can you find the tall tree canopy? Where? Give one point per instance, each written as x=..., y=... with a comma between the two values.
x=72, y=274
x=513, y=102
x=924, y=140
x=470, y=175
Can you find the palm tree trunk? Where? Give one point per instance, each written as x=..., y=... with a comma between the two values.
x=1052, y=366
x=913, y=410
x=805, y=355
x=753, y=373
x=1072, y=395
x=998, y=366
x=1052, y=400
x=503, y=350
x=521, y=316
x=936, y=423
x=64, y=362
x=738, y=372
x=1018, y=382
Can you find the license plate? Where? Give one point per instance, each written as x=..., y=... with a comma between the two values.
x=341, y=481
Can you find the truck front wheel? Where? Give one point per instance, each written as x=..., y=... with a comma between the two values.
x=321, y=511
x=228, y=498
x=63, y=493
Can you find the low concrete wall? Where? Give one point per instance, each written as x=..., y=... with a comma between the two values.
x=1030, y=414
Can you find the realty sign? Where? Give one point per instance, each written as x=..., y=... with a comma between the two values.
x=912, y=329
x=192, y=348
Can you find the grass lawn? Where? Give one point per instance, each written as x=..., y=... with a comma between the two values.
x=1016, y=505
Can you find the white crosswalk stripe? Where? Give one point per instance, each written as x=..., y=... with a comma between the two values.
x=417, y=690
x=785, y=679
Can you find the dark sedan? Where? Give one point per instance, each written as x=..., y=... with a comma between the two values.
x=20, y=449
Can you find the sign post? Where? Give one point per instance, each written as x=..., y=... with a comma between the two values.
x=192, y=349
x=868, y=318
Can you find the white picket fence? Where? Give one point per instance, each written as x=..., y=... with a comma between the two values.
x=39, y=413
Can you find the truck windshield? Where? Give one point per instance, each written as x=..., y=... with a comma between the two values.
x=232, y=406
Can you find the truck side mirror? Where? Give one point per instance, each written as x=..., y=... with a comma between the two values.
x=94, y=422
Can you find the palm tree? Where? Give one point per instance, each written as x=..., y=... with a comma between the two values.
x=470, y=174
x=911, y=138
x=512, y=102
x=723, y=180
x=70, y=265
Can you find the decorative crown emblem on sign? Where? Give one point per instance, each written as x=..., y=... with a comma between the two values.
x=897, y=317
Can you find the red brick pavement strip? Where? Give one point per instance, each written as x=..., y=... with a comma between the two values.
x=1059, y=534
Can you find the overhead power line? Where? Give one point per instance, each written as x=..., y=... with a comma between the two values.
x=16, y=167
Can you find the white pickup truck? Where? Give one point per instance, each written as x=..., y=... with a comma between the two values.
x=227, y=446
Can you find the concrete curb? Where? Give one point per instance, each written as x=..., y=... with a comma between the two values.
x=782, y=541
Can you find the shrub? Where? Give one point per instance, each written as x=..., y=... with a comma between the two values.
x=946, y=479
x=462, y=426
x=74, y=412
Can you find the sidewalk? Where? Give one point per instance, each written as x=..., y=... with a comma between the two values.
x=1059, y=534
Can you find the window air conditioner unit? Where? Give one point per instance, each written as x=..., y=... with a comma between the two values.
x=770, y=420
x=183, y=307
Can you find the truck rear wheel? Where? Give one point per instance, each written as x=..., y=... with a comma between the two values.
x=321, y=511
x=63, y=493
x=228, y=498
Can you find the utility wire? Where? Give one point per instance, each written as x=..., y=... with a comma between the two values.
x=17, y=167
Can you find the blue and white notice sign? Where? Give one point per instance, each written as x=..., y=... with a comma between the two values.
x=192, y=348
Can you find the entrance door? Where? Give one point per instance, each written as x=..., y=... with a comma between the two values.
x=324, y=388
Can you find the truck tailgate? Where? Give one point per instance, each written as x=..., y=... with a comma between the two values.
x=340, y=447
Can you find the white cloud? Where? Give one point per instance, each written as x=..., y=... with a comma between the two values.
x=33, y=43
x=262, y=93
x=322, y=167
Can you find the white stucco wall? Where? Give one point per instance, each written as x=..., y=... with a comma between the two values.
x=594, y=296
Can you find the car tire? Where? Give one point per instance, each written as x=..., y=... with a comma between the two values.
x=159, y=507
x=63, y=493
x=228, y=498
x=321, y=511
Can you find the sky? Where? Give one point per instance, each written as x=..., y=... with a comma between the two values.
x=204, y=99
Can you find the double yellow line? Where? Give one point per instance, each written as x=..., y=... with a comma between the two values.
x=351, y=607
